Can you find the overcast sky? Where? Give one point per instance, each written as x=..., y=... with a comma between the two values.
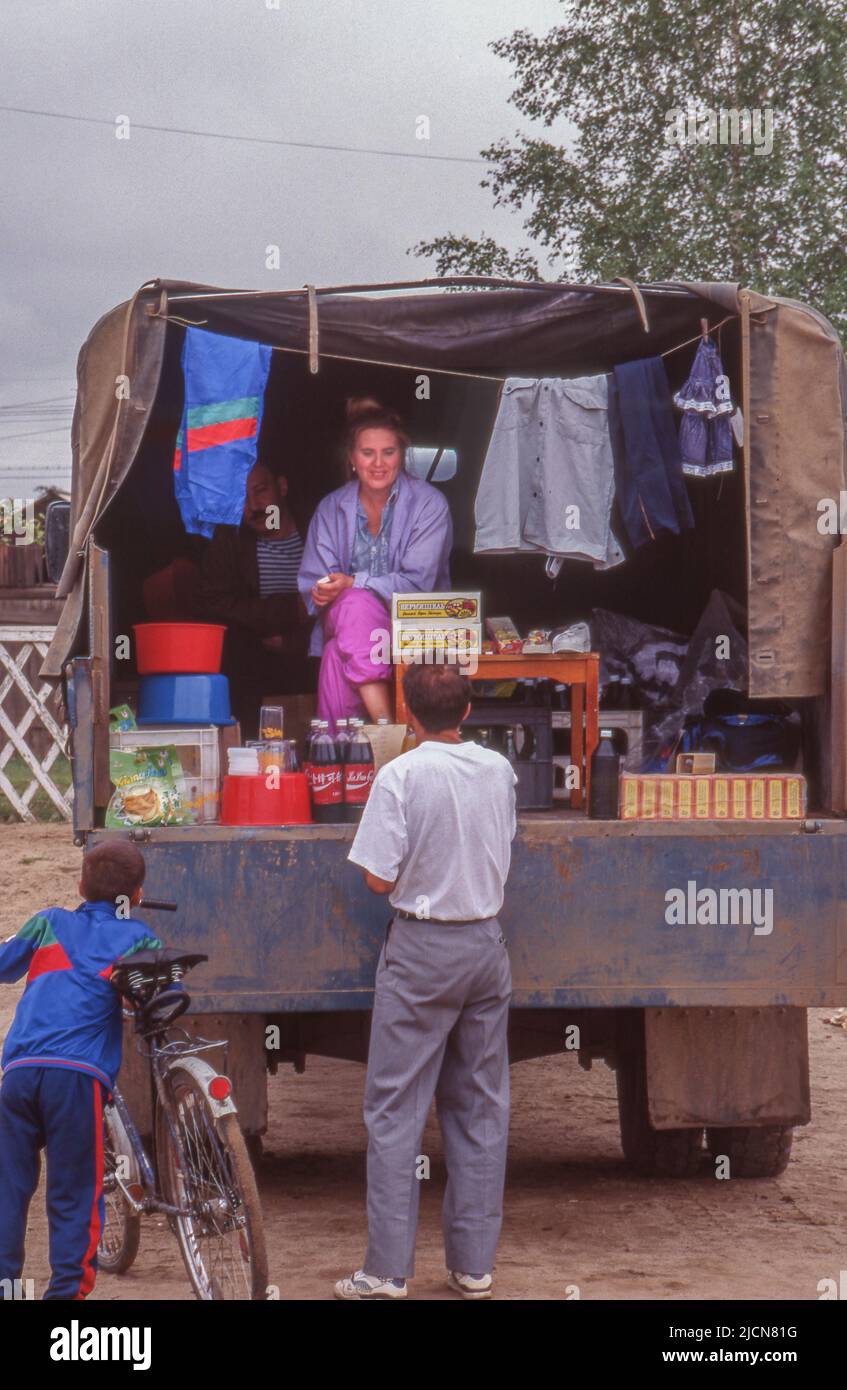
x=86, y=218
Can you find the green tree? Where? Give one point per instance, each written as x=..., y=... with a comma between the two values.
x=620, y=199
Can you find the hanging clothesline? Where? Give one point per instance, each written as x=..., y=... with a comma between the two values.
x=407, y=366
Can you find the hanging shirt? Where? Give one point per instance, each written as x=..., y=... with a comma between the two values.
x=225, y=381
x=548, y=481
x=278, y=559
x=705, y=434
x=651, y=489
x=370, y=559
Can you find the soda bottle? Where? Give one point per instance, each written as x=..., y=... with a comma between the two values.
x=314, y=726
x=605, y=776
x=358, y=772
x=510, y=750
x=325, y=777
x=342, y=737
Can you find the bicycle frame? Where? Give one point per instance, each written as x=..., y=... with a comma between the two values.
x=160, y=1049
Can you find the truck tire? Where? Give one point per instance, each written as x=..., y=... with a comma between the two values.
x=654, y=1153
x=754, y=1151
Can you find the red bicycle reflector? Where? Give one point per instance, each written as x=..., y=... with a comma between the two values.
x=220, y=1088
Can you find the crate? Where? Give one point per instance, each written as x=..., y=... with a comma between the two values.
x=197, y=747
x=630, y=721
x=533, y=742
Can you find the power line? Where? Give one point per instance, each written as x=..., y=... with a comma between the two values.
x=44, y=400
x=246, y=139
x=57, y=429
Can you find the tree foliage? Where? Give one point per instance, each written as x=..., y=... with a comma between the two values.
x=619, y=199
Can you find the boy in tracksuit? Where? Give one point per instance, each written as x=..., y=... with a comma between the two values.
x=60, y=1060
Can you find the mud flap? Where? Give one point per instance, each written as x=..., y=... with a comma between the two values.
x=727, y=1067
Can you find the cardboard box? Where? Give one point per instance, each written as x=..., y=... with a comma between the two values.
x=695, y=763
x=455, y=609
x=504, y=635
x=720, y=796
x=435, y=624
x=386, y=741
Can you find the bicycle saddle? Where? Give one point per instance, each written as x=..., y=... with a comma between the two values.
x=158, y=968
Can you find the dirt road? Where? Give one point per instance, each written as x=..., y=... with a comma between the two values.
x=575, y=1218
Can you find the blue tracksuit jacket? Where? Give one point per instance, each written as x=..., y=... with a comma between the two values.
x=70, y=1015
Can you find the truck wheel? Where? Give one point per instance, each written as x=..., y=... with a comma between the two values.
x=655, y=1153
x=754, y=1151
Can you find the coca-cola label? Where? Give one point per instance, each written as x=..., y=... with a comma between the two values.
x=327, y=785
x=357, y=782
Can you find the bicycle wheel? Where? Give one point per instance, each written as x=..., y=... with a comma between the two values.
x=221, y=1236
x=121, y=1232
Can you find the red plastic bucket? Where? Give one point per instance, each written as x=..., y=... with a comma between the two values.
x=178, y=648
x=250, y=801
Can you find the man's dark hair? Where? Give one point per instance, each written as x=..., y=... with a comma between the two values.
x=112, y=870
x=437, y=696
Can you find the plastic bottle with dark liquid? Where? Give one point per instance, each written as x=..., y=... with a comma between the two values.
x=314, y=728
x=605, y=778
x=358, y=772
x=326, y=778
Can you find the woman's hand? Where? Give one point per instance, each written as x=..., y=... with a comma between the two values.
x=324, y=594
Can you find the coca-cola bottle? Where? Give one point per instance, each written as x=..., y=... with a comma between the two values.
x=314, y=727
x=325, y=778
x=342, y=737
x=358, y=772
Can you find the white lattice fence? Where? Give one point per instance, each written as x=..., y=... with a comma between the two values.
x=21, y=649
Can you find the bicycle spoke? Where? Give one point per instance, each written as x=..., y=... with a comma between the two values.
x=216, y=1228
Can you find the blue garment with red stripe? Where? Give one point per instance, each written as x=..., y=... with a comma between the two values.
x=69, y=1015
x=225, y=381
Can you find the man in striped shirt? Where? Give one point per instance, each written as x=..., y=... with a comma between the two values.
x=249, y=581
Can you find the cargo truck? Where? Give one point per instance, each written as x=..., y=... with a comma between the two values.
x=705, y=1026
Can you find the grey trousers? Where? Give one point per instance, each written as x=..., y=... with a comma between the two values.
x=439, y=1029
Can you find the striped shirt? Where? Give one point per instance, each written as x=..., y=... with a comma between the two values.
x=278, y=559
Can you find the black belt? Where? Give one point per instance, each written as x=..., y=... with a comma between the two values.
x=439, y=921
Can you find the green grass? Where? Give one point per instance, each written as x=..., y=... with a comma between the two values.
x=41, y=806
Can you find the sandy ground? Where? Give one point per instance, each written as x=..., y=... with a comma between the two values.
x=575, y=1217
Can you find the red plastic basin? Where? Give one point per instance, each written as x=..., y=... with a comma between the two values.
x=178, y=648
x=250, y=801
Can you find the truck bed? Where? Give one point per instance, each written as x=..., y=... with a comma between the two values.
x=289, y=925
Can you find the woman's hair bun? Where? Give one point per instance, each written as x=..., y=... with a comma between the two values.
x=358, y=408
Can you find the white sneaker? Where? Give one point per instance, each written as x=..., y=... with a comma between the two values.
x=469, y=1286
x=361, y=1285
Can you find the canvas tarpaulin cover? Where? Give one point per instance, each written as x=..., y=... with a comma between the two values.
x=792, y=390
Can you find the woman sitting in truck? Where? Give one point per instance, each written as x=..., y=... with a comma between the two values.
x=383, y=532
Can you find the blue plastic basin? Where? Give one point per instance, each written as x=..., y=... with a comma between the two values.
x=184, y=700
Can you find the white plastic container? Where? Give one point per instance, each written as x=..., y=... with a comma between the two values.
x=200, y=784
x=242, y=762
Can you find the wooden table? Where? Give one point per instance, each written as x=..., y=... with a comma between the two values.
x=579, y=670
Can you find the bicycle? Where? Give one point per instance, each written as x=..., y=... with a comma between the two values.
x=200, y=1175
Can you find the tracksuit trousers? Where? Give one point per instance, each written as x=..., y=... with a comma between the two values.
x=439, y=1028
x=60, y=1110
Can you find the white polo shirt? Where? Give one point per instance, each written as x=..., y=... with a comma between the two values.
x=440, y=820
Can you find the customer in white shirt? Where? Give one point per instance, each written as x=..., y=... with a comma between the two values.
x=436, y=837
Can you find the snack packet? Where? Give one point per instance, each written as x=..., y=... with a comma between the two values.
x=146, y=782
x=122, y=717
